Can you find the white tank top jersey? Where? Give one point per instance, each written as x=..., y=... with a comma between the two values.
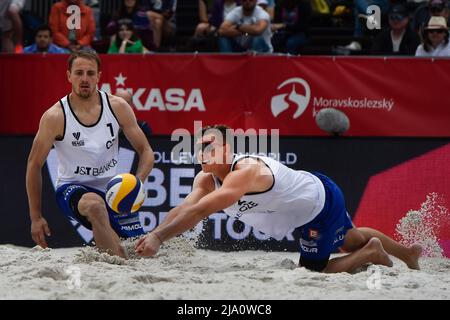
x=88, y=155
x=295, y=198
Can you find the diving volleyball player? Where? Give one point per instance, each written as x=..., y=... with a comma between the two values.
x=275, y=199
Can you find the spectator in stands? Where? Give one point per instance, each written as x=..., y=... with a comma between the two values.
x=433, y=8
x=269, y=6
x=43, y=42
x=399, y=39
x=220, y=10
x=11, y=25
x=246, y=27
x=435, y=39
x=205, y=36
x=360, y=11
x=291, y=25
x=162, y=18
x=126, y=40
x=203, y=27
x=73, y=39
x=131, y=9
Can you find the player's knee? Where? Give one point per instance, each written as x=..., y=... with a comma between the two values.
x=354, y=240
x=93, y=208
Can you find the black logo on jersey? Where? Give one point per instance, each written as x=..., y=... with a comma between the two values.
x=78, y=142
x=86, y=171
x=76, y=135
x=246, y=205
x=110, y=143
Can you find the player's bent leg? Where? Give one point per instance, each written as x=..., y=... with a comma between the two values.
x=409, y=255
x=354, y=240
x=372, y=252
x=92, y=206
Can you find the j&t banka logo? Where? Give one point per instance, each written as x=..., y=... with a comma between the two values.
x=279, y=104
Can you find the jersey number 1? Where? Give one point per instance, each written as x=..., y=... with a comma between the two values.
x=109, y=125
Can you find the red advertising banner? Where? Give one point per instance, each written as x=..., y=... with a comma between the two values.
x=381, y=96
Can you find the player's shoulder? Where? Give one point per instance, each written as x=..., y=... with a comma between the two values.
x=118, y=104
x=204, y=180
x=246, y=163
x=54, y=114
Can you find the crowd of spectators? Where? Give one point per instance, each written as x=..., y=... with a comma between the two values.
x=404, y=27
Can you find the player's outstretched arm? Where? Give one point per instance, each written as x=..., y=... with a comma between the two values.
x=50, y=127
x=234, y=186
x=134, y=134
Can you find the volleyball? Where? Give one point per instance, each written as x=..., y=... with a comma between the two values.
x=125, y=193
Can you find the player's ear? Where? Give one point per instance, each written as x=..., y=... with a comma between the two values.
x=68, y=75
x=99, y=75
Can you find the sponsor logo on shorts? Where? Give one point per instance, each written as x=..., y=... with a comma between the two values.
x=339, y=230
x=309, y=249
x=133, y=227
x=339, y=238
x=68, y=191
x=311, y=243
x=95, y=172
x=313, y=234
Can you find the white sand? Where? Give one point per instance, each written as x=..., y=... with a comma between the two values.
x=183, y=272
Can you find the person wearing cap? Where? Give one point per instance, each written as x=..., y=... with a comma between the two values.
x=246, y=27
x=432, y=8
x=435, y=39
x=399, y=38
x=268, y=5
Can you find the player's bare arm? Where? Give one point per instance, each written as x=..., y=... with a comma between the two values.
x=234, y=186
x=203, y=184
x=51, y=127
x=134, y=134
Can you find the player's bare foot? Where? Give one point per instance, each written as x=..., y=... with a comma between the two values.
x=414, y=255
x=377, y=254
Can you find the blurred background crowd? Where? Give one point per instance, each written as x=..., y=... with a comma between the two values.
x=316, y=27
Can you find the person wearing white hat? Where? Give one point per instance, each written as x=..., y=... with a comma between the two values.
x=435, y=39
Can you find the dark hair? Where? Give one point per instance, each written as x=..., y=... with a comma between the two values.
x=44, y=27
x=427, y=46
x=130, y=26
x=85, y=54
x=222, y=128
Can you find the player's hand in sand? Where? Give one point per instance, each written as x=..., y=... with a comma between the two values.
x=148, y=246
x=40, y=229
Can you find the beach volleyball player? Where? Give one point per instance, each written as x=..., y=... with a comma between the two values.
x=84, y=127
x=275, y=199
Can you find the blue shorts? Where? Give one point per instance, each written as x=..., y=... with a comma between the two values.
x=68, y=196
x=326, y=232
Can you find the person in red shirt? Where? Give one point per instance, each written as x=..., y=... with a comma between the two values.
x=75, y=39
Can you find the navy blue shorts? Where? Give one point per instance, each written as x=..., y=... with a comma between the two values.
x=68, y=196
x=326, y=232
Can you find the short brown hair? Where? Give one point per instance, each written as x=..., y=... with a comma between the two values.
x=86, y=54
x=222, y=128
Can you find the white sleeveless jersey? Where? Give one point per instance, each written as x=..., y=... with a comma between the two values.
x=295, y=198
x=88, y=155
